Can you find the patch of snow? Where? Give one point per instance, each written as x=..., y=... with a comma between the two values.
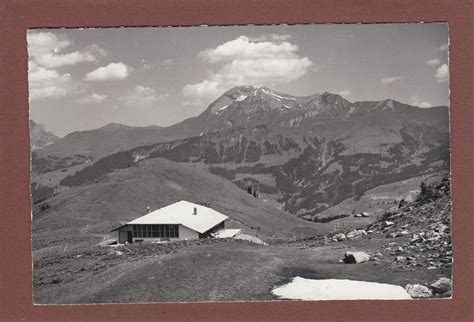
x=286, y=106
x=241, y=98
x=223, y=108
x=277, y=96
x=138, y=157
x=390, y=104
x=334, y=289
x=250, y=238
x=227, y=233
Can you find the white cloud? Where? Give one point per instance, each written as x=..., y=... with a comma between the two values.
x=46, y=52
x=390, y=80
x=93, y=98
x=243, y=48
x=345, y=93
x=40, y=43
x=46, y=49
x=52, y=60
x=46, y=83
x=433, y=62
x=443, y=47
x=113, y=71
x=142, y=96
x=206, y=88
x=418, y=101
x=274, y=37
x=442, y=74
x=244, y=61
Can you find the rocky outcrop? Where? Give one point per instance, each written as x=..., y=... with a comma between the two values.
x=442, y=287
x=356, y=233
x=355, y=257
x=418, y=291
x=339, y=237
x=39, y=136
x=422, y=229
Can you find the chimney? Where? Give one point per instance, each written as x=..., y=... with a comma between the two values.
x=195, y=211
x=147, y=210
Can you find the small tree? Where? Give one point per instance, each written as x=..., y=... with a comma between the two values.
x=423, y=188
x=249, y=190
x=401, y=203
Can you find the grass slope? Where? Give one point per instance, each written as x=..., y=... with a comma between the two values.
x=81, y=215
x=377, y=200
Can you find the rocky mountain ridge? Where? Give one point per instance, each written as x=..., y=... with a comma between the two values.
x=39, y=136
x=302, y=154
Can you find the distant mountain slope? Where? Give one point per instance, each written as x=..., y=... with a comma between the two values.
x=102, y=141
x=245, y=107
x=304, y=175
x=303, y=154
x=39, y=136
x=125, y=194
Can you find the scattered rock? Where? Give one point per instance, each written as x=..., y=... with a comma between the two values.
x=398, y=234
x=442, y=286
x=418, y=291
x=355, y=257
x=400, y=258
x=388, y=223
x=339, y=237
x=55, y=280
x=356, y=233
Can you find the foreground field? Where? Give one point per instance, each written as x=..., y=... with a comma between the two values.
x=410, y=244
x=210, y=270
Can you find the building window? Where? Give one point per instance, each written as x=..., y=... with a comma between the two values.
x=156, y=231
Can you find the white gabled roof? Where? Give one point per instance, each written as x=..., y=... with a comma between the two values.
x=182, y=212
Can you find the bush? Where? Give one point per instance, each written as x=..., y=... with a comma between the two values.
x=44, y=206
x=427, y=193
x=401, y=203
x=329, y=218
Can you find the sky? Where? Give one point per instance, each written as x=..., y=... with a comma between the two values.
x=81, y=79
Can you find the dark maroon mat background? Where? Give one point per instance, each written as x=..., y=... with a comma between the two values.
x=15, y=252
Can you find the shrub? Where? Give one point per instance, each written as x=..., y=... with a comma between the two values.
x=329, y=218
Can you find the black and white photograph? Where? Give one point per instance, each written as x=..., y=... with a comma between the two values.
x=240, y=163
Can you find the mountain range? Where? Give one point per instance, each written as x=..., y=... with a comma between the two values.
x=302, y=154
x=39, y=136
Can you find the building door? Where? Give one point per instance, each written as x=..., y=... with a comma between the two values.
x=129, y=237
x=122, y=237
